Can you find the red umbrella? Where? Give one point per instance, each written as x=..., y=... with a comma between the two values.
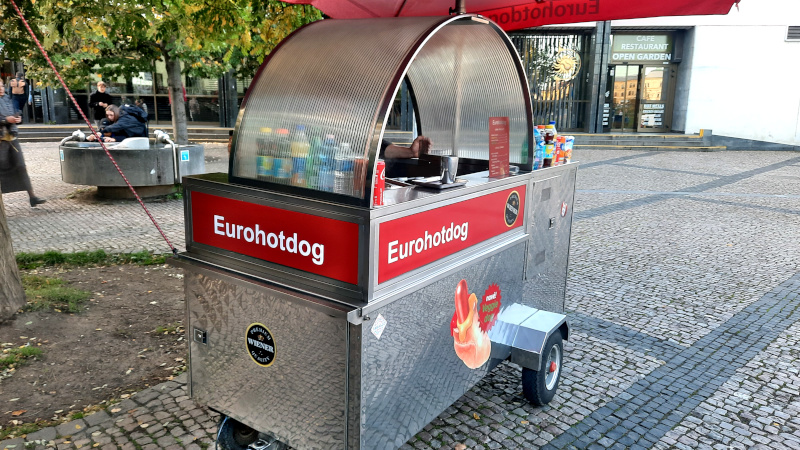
x=518, y=14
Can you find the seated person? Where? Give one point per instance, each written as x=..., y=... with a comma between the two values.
x=420, y=146
x=131, y=122
x=112, y=115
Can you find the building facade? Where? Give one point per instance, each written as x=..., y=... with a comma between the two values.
x=735, y=75
x=206, y=103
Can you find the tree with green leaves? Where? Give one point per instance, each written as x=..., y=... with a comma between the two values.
x=112, y=38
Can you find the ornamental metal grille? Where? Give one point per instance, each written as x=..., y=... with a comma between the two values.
x=557, y=69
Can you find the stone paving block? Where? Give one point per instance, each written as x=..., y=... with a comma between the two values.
x=71, y=428
x=96, y=418
x=11, y=444
x=47, y=434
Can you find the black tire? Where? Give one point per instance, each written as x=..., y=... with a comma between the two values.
x=539, y=386
x=234, y=435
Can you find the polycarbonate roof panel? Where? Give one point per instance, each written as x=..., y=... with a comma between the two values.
x=464, y=75
x=340, y=77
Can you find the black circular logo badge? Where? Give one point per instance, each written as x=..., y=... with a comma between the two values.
x=512, y=208
x=260, y=345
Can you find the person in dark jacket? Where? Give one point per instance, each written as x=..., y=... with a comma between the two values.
x=99, y=101
x=19, y=91
x=112, y=115
x=132, y=122
x=13, y=173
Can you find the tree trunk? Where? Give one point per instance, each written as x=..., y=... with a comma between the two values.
x=178, y=104
x=12, y=296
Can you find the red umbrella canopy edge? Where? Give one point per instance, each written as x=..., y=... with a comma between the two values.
x=518, y=14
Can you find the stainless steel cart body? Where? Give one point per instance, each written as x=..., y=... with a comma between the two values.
x=330, y=321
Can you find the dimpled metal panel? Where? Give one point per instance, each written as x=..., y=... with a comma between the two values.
x=548, y=248
x=332, y=76
x=301, y=397
x=412, y=373
x=462, y=76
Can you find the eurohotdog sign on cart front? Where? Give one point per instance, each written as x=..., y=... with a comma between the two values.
x=319, y=245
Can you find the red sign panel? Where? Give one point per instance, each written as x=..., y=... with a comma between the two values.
x=498, y=146
x=310, y=243
x=414, y=241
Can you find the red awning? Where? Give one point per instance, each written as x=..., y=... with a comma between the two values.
x=518, y=14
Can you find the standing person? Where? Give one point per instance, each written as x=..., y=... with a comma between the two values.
x=19, y=91
x=13, y=173
x=141, y=104
x=98, y=101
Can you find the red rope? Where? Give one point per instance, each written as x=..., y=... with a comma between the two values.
x=91, y=128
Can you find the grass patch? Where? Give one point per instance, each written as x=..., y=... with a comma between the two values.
x=140, y=258
x=18, y=356
x=26, y=261
x=52, y=293
x=178, y=194
x=171, y=328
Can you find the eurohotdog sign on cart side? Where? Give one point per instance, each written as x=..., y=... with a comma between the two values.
x=314, y=244
x=413, y=241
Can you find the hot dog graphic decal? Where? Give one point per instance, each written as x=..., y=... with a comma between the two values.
x=471, y=322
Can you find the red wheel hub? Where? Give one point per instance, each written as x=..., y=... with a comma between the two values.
x=552, y=367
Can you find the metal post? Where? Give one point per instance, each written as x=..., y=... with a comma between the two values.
x=598, y=69
x=459, y=9
x=228, y=99
x=405, y=108
x=48, y=105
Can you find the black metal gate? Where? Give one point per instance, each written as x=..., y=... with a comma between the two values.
x=556, y=64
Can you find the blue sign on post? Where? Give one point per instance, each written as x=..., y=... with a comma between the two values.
x=184, y=155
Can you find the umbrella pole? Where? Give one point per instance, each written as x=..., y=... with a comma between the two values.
x=460, y=8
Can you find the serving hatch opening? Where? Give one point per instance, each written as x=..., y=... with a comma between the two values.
x=331, y=85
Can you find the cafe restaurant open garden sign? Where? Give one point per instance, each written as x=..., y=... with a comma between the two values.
x=641, y=48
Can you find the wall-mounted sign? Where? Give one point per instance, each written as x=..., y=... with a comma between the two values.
x=566, y=64
x=641, y=47
x=652, y=115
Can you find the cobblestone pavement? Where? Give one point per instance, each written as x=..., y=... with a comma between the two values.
x=683, y=294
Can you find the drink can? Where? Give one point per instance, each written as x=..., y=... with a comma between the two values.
x=380, y=183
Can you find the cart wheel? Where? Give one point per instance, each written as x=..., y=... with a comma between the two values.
x=539, y=386
x=234, y=435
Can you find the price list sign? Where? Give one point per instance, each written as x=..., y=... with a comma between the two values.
x=498, y=146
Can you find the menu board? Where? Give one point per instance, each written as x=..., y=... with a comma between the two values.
x=498, y=146
x=652, y=115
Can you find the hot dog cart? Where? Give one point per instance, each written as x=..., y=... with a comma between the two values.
x=324, y=315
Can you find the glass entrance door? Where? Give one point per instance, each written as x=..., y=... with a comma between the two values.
x=655, y=100
x=624, y=87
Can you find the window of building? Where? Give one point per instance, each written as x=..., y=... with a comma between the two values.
x=793, y=33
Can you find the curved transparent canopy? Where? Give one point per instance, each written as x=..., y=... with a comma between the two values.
x=314, y=116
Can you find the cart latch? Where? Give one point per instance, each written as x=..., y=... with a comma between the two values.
x=200, y=336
